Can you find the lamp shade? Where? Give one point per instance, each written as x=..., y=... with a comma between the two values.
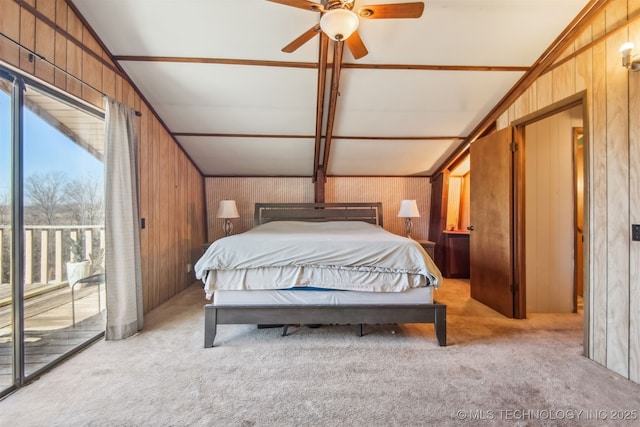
x=339, y=24
x=227, y=209
x=408, y=209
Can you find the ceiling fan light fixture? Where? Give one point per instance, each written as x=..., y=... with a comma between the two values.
x=339, y=24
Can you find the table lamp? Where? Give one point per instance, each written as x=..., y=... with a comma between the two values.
x=227, y=210
x=408, y=210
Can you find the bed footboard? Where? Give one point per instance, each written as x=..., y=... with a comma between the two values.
x=319, y=314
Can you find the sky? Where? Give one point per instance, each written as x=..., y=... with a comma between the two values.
x=45, y=149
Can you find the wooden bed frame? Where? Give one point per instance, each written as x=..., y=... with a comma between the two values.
x=323, y=314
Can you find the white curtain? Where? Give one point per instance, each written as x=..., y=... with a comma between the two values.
x=122, y=254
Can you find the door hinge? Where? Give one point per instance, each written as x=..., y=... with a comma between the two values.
x=513, y=146
x=514, y=288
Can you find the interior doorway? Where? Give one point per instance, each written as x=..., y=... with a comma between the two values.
x=507, y=154
x=553, y=207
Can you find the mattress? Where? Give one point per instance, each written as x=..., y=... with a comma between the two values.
x=322, y=297
x=344, y=255
x=299, y=276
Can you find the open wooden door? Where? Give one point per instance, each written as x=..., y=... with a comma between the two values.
x=491, y=214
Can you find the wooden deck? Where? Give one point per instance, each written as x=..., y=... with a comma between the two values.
x=49, y=329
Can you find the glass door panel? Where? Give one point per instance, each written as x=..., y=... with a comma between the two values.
x=6, y=286
x=64, y=300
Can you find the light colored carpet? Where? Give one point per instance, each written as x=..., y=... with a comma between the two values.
x=494, y=371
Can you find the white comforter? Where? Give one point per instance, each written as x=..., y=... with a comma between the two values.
x=344, y=255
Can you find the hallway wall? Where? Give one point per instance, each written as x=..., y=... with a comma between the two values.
x=612, y=132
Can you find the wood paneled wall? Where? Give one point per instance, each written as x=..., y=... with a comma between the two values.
x=438, y=215
x=388, y=190
x=613, y=173
x=171, y=188
x=247, y=191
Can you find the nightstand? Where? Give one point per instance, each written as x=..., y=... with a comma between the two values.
x=428, y=246
x=456, y=254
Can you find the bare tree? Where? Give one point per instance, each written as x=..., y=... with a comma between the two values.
x=4, y=208
x=85, y=199
x=45, y=194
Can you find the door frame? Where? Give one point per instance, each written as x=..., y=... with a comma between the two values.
x=20, y=83
x=579, y=99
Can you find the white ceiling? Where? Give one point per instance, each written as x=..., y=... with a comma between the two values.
x=241, y=107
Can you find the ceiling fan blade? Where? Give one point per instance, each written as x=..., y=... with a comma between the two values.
x=390, y=11
x=356, y=46
x=305, y=37
x=301, y=4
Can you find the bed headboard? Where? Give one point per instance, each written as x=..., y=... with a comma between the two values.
x=367, y=212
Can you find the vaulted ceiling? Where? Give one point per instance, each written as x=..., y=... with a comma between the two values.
x=215, y=74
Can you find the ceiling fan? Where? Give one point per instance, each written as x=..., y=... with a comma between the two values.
x=340, y=23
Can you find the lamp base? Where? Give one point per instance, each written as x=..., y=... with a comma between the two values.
x=407, y=227
x=228, y=227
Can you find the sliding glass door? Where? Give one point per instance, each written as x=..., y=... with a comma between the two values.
x=53, y=303
x=6, y=262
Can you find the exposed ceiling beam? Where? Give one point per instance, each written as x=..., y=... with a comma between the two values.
x=290, y=64
x=333, y=101
x=428, y=67
x=322, y=83
x=240, y=135
x=292, y=136
x=224, y=61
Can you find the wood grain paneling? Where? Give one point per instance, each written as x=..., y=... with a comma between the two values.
x=438, y=215
x=60, y=60
x=503, y=121
x=74, y=68
x=564, y=81
x=28, y=39
x=47, y=8
x=172, y=203
x=74, y=26
x=522, y=104
x=10, y=26
x=634, y=210
x=390, y=191
x=544, y=91
x=618, y=208
x=598, y=208
x=61, y=14
x=247, y=192
x=613, y=162
x=583, y=71
x=549, y=213
x=45, y=46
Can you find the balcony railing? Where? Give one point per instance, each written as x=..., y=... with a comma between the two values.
x=47, y=250
x=56, y=318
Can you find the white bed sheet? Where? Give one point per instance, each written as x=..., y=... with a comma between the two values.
x=298, y=276
x=354, y=256
x=323, y=297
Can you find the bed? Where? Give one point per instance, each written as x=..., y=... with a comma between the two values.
x=297, y=266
